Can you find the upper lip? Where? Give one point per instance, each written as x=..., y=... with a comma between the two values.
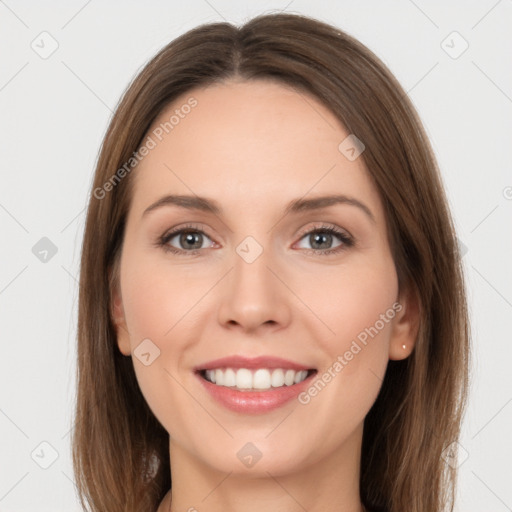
x=252, y=363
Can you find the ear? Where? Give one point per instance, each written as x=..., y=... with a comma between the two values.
x=118, y=317
x=405, y=324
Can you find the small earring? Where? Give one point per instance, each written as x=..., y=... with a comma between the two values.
x=404, y=347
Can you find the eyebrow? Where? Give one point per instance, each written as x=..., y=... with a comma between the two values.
x=296, y=206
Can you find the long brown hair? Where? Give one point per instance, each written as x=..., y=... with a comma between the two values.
x=120, y=451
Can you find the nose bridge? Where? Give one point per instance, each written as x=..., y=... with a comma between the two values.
x=251, y=268
x=253, y=296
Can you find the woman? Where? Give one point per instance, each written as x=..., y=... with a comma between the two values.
x=272, y=311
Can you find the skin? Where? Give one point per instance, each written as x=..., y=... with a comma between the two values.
x=253, y=147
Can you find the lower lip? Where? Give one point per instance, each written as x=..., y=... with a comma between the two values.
x=254, y=402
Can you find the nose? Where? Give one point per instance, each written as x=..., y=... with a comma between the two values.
x=253, y=296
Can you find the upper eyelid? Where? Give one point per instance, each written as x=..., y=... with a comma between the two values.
x=325, y=226
x=176, y=231
x=190, y=227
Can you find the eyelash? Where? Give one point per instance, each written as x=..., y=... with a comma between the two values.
x=347, y=240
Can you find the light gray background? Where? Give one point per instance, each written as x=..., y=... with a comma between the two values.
x=54, y=113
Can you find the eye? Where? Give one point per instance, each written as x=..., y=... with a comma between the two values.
x=188, y=239
x=321, y=239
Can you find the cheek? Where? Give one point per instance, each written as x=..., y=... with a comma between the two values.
x=153, y=310
x=156, y=298
x=159, y=308
x=360, y=313
x=357, y=306
x=356, y=303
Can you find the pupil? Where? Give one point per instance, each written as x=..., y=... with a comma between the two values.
x=324, y=237
x=189, y=238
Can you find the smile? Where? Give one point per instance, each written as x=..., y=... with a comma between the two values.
x=244, y=379
x=253, y=385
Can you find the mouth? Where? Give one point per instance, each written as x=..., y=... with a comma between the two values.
x=255, y=379
x=253, y=385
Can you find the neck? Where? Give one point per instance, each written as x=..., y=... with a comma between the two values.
x=327, y=484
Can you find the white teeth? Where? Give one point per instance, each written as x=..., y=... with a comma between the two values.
x=277, y=379
x=289, y=377
x=298, y=377
x=229, y=377
x=243, y=379
x=259, y=379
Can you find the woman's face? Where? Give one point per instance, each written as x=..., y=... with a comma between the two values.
x=255, y=277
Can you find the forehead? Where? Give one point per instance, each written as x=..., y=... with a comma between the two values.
x=253, y=142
